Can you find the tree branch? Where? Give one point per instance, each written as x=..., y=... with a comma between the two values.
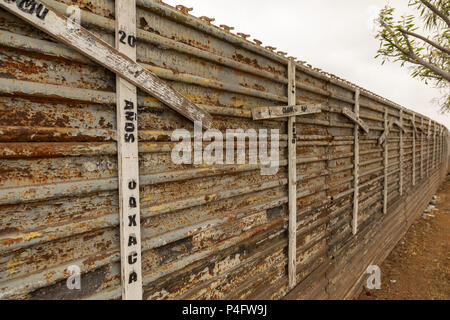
x=431, y=76
x=436, y=11
x=408, y=56
x=396, y=43
x=444, y=74
x=434, y=44
x=410, y=48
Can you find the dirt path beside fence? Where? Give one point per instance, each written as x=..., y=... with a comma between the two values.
x=419, y=266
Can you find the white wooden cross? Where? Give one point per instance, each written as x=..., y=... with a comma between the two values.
x=428, y=147
x=400, y=125
x=354, y=116
x=442, y=144
x=385, y=160
x=387, y=130
x=434, y=145
x=359, y=123
x=383, y=140
x=414, y=133
x=289, y=112
x=421, y=148
x=128, y=157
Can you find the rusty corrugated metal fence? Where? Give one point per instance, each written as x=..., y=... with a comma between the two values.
x=212, y=232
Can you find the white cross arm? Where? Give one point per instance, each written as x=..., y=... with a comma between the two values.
x=386, y=132
x=398, y=124
x=384, y=135
x=415, y=128
x=355, y=118
x=261, y=113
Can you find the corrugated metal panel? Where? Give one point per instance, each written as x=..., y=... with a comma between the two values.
x=207, y=231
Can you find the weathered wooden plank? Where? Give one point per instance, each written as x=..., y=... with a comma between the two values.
x=428, y=147
x=128, y=158
x=443, y=141
x=260, y=113
x=83, y=41
x=440, y=145
x=400, y=125
x=429, y=128
x=356, y=167
x=355, y=118
x=438, y=150
x=387, y=129
x=414, y=133
x=421, y=149
x=434, y=145
x=415, y=129
x=385, y=163
x=292, y=168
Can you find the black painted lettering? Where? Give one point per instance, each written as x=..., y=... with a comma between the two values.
x=132, y=258
x=132, y=41
x=132, y=221
x=27, y=6
x=138, y=73
x=132, y=278
x=123, y=35
x=129, y=105
x=132, y=185
x=129, y=137
x=129, y=127
x=130, y=116
x=132, y=241
x=133, y=202
x=41, y=14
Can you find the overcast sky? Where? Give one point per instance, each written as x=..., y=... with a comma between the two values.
x=336, y=36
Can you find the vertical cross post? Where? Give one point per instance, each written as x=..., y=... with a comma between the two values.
x=385, y=163
x=414, y=150
x=289, y=113
x=421, y=148
x=356, y=166
x=128, y=157
x=292, y=169
x=401, y=154
x=428, y=148
x=440, y=144
x=441, y=140
x=434, y=146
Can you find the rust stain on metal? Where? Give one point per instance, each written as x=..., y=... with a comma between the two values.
x=208, y=231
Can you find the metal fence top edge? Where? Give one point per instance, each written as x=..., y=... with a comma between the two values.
x=166, y=10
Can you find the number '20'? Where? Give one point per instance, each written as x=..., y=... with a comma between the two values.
x=130, y=39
